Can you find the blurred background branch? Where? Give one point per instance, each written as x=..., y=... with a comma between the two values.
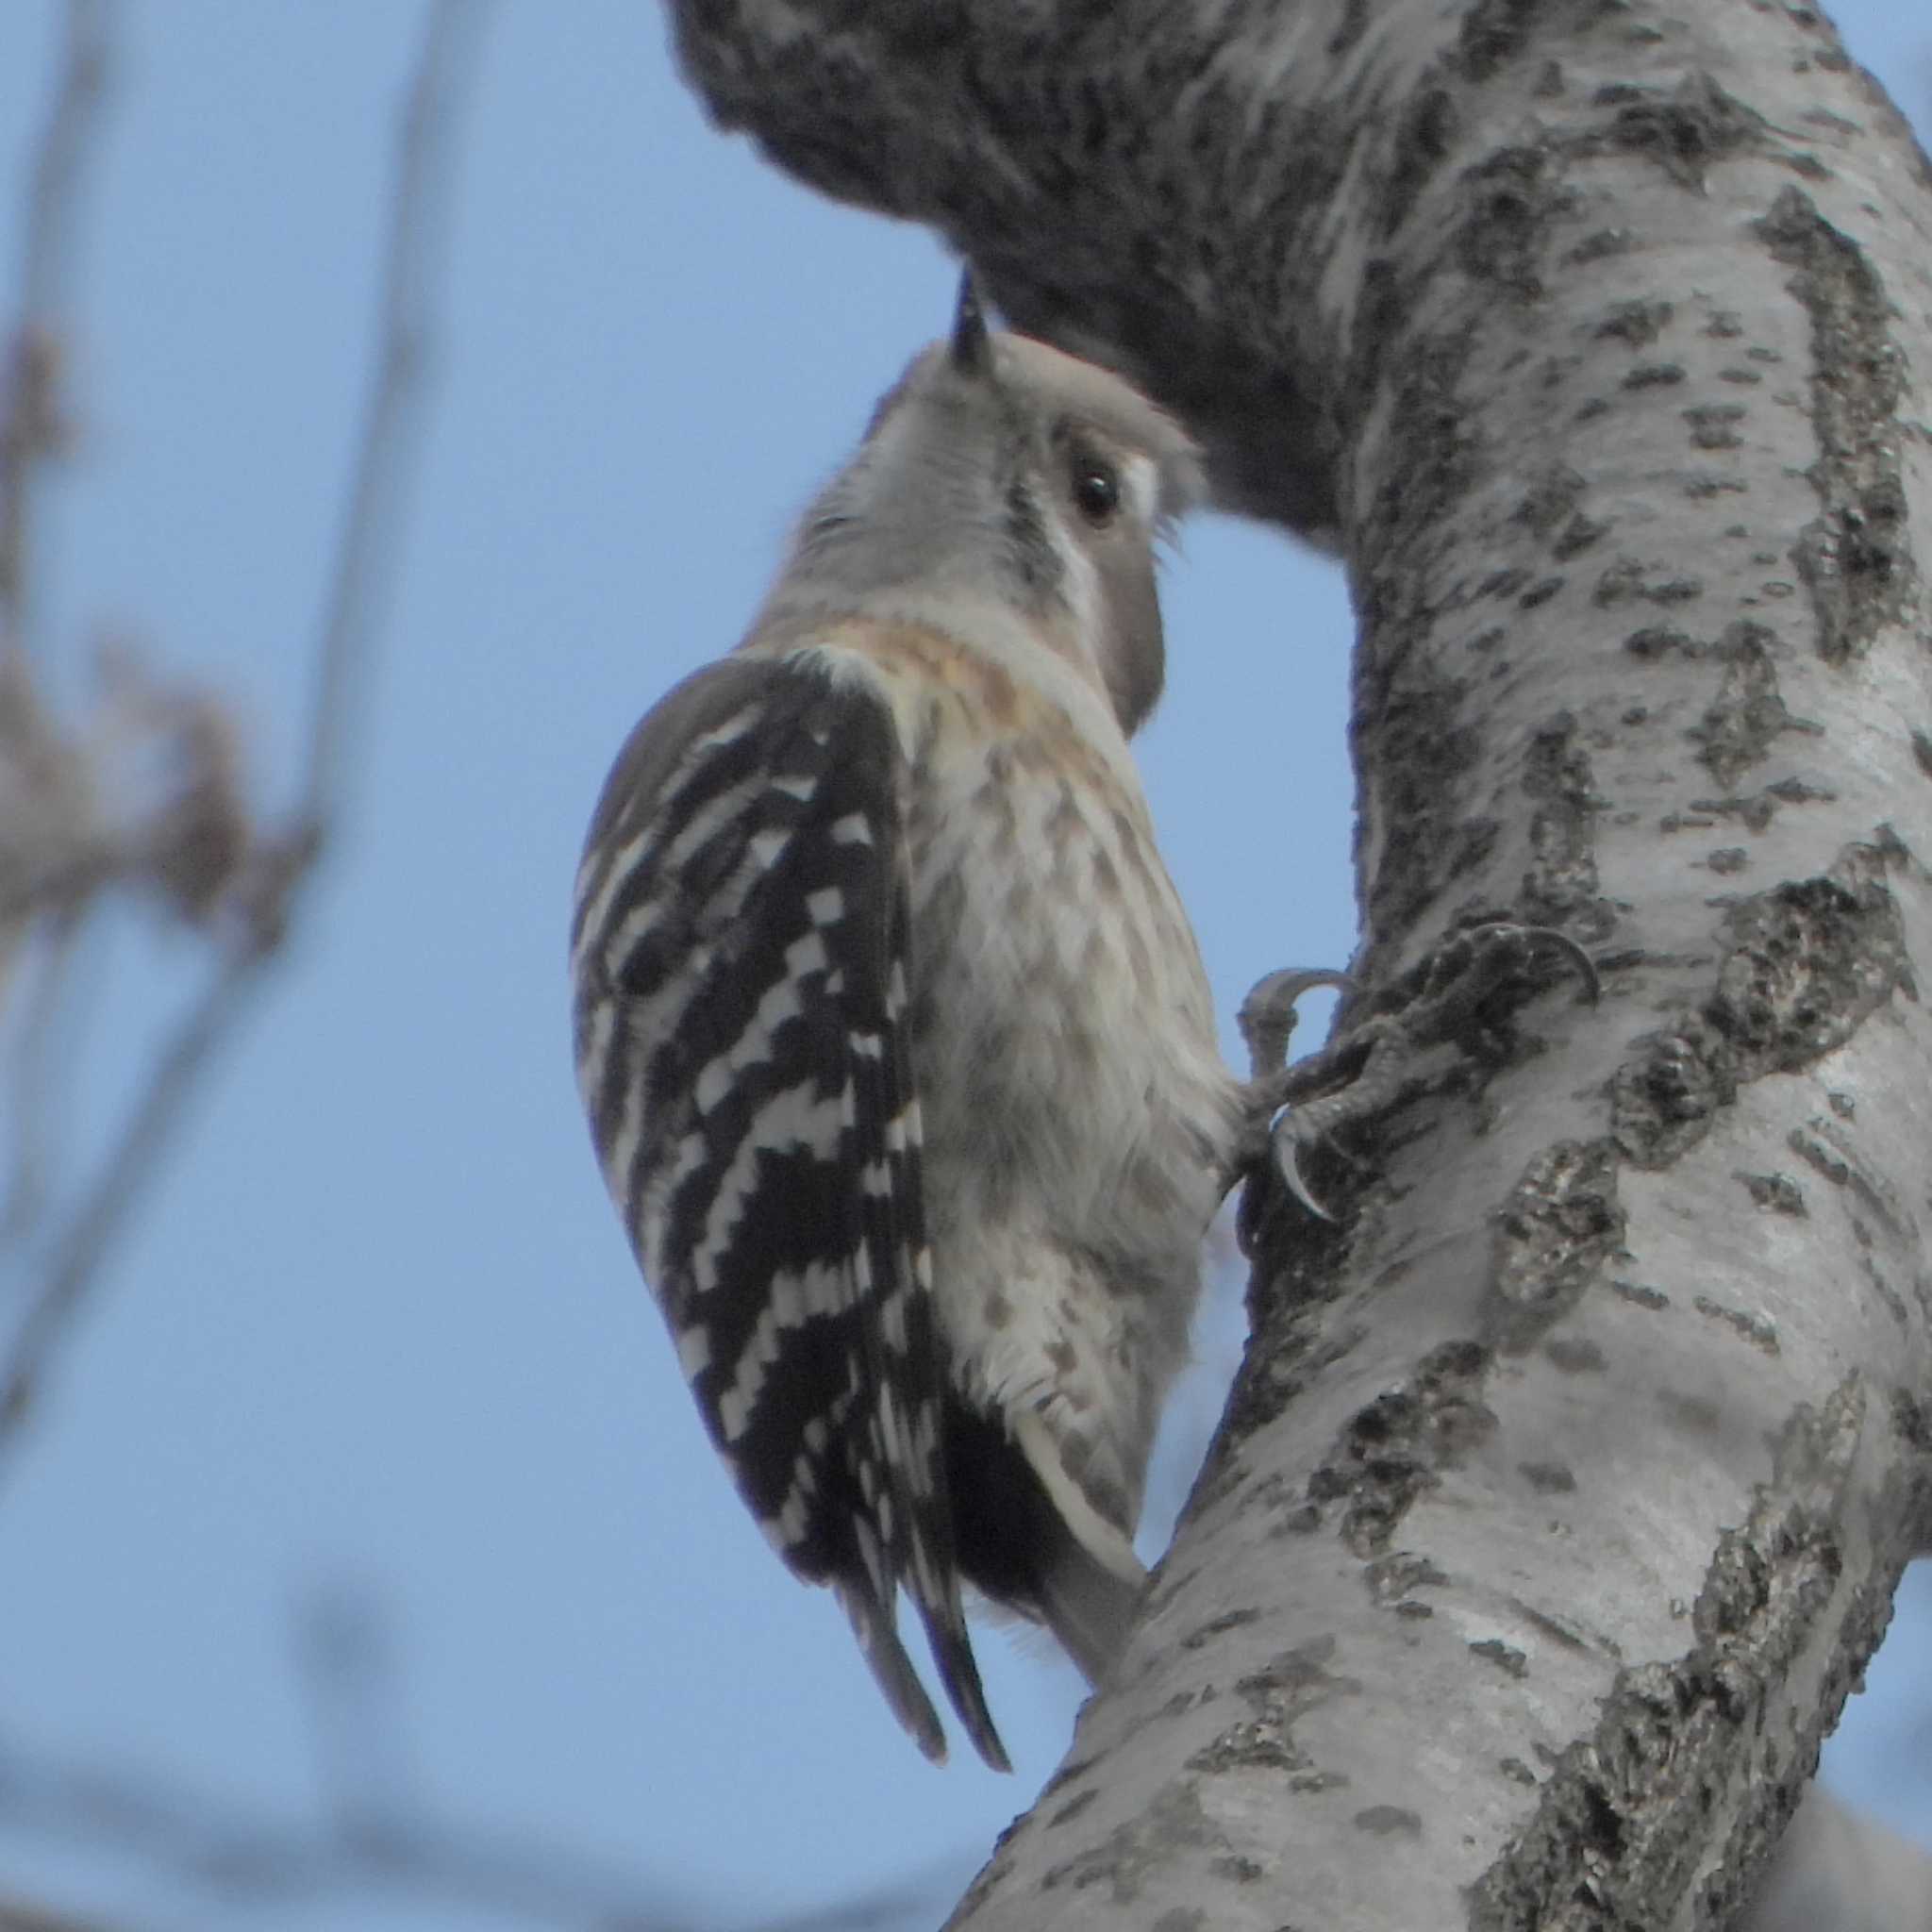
x=31, y=417
x=70, y=830
x=375, y=1838
x=379, y=1321
x=146, y=798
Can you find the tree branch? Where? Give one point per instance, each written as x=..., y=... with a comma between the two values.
x=1568, y=1479
x=250, y=1860
x=377, y=511
x=30, y=411
x=255, y=913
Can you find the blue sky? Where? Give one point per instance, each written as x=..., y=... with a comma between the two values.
x=380, y=1332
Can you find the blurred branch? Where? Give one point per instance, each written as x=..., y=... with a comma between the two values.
x=251, y=1861
x=260, y=877
x=31, y=416
x=347, y=1666
x=392, y=423
x=17, y=1917
x=35, y=1101
x=347, y=1655
x=149, y=798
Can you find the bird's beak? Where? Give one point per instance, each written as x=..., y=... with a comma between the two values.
x=971, y=347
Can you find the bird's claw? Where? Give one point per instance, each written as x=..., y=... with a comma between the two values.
x=1370, y=1067
x=1284, y=1142
x=1267, y=1017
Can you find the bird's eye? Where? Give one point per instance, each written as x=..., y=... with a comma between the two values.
x=1096, y=490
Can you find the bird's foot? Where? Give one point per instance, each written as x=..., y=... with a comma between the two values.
x=1461, y=994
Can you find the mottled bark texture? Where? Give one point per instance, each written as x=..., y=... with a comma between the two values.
x=1562, y=1496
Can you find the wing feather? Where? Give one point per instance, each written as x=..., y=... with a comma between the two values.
x=740, y=956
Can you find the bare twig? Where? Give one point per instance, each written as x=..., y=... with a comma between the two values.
x=33, y=1096
x=275, y=1866
x=150, y=798
x=128, y=1172
x=29, y=402
x=392, y=432
x=16, y=1916
x=260, y=906
x=347, y=1662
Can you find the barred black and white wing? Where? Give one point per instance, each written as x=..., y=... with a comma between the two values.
x=739, y=953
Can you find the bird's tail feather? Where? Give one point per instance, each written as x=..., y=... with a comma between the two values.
x=1091, y=1586
x=874, y=1626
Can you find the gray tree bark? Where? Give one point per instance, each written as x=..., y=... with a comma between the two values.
x=1564, y=1491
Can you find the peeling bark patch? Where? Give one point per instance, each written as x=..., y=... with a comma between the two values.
x=1660, y=641
x=1549, y=1478
x=1629, y=579
x=1913, y=1421
x=1389, y=1453
x=1355, y=22
x=1565, y=1636
x=1561, y=879
x=1757, y=1330
x=1175, y=1824
x=1433, y=460
x=1392, y=1578
x=1494, y=32
x=1621, y=1823
x=1748, y=714
x=1753, y=810
x=1423, y=137
x=1779, y=1193
x=1808, y=962
x=1509, y=201
x=1774, y=1574
x=1243, y=1871
x=1819, y=1158
x=1476, y=839
x=1661, y=1104
x=1283, y=1690
x=1233, y=1620
x=1805, y=965
x=1421, y=757
x=1684, y=131
x=1506, y=1657
x=1579, y=533
x=1600, y=246
x=1287, y=1345
x=1389, y=1821
x=1697, y=1415
x=1922, y=751
x=1713, y=426
x=1576, y=1357
x=1552, y=496
x=1825, y=1147
x=1640, y=324
x=1073, y=1806
x=1894, y=1302
x=1856, y=558
x=1560, y=1228
x=1642, y=1294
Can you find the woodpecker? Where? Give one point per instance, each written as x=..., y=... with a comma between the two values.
x=898, y=1054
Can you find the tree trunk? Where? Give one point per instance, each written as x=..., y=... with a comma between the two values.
x=1564, y=1491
